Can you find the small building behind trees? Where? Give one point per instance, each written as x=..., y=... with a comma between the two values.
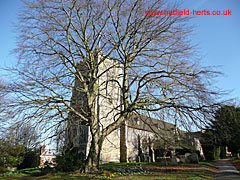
x=47, y=157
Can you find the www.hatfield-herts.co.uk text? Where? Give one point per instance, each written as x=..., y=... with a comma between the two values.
x=188, y=12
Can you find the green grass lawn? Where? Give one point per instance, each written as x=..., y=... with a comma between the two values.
x=149, y=171
x=41, y=174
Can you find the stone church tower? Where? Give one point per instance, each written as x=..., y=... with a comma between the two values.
x=107, y=106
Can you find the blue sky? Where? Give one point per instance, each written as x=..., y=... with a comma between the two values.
x=218, y=38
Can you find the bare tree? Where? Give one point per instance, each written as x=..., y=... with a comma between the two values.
x=26, y=135
x=64, y=44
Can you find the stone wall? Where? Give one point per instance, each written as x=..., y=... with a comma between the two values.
x=138, y=140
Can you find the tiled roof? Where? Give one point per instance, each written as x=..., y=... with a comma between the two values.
x=143, y=122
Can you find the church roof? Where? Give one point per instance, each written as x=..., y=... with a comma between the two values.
x=146, y=123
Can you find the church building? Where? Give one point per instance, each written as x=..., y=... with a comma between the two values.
x=137, y=139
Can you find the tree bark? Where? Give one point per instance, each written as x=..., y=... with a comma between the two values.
x=123, y=147
x=93, y=160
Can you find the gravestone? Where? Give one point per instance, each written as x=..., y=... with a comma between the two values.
x=193, y=158
x=174, y=161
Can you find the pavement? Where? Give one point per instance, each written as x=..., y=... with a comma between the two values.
x=227, y=171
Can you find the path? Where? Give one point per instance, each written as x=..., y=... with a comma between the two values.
x=227, y=171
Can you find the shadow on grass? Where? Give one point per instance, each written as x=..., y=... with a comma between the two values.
x=133, y=171
x=35, y=172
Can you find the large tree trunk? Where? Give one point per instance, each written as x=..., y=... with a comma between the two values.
x=93, y=159
x=123, y=147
